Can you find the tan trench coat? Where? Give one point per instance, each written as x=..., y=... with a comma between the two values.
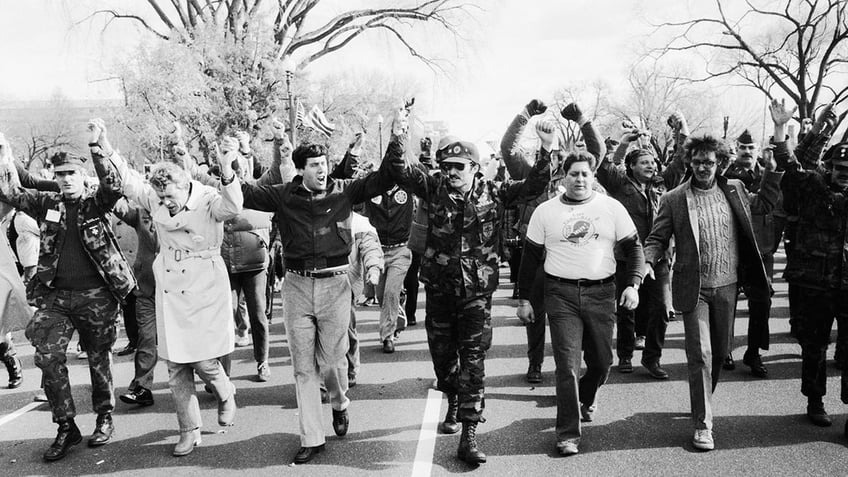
x=194, y=318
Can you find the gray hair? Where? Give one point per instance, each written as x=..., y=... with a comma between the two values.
x=165, y=173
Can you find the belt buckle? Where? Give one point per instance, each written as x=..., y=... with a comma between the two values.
x=178, y=255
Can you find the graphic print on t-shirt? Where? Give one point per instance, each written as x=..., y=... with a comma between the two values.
x=579, y=229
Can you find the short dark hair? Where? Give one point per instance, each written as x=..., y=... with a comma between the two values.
x=304, y=151
x=575, y=155
x=704, y=144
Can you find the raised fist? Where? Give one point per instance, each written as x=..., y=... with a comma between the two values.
x=400, y=122
x=547, y=133
x=244, y=141
x=676, y=120
x=572, y=112
x=278, y=127
x=535, y=107
x=96, y=131
x=355, y=146
x=630, y=135
x=426, y=146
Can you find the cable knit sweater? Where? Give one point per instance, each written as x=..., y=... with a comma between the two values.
x=718, y=241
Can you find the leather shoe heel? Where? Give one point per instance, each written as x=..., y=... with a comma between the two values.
x=188, y=441
x=305, y=454
x=227, y=409
x=139, y=396
x=341, y=421
x=102, y=431
x=69, y=435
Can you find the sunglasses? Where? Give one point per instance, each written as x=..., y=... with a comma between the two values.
x=446, y=166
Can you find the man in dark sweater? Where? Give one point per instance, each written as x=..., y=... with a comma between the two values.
x=81, y=278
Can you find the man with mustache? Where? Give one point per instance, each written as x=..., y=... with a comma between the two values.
x=747, y=169
x=817, y=265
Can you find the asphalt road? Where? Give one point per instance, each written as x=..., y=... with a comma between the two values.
x=641, y=427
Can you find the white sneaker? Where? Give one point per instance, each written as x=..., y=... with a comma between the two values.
x=703, y=439
x=640, y=342
x=242, y=340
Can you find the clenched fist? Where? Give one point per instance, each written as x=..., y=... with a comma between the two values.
x=546, y=130
x=572, y=112
x=535, y=107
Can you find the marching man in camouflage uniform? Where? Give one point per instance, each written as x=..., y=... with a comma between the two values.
x=459, y=269
x=81, y=278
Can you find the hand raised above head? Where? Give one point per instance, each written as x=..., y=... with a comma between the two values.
x=535, y=107
x=572, y=112
x=96, y=131
x=546, y=130
x=779, y=114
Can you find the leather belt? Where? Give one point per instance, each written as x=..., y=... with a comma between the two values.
x=317, y=273
x=582, y=282
x=397, y=245
x=329, y=262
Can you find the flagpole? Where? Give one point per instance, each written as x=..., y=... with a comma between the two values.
x=380, y=134
x=288, y=66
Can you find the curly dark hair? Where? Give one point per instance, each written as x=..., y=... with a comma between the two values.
x=573, y=156
x=304, y=151
x=705, y=144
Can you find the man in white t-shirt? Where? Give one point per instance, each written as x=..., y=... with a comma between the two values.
x=577, y=232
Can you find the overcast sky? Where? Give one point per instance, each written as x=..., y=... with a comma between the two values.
x=512, y=51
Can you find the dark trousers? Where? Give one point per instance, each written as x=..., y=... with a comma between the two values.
x=93, y=314
x=536, y=330
x=130, y=323
x=816, y=312
x=146, y=354
x=582, y=319
x=459, y=332
x=410, y=284
x=649, y=319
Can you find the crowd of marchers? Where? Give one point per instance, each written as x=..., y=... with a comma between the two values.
x=606, y=241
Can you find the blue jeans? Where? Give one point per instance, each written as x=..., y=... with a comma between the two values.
x=707, y=336
x=581, y=321
x=317, y=316
x=252, y=285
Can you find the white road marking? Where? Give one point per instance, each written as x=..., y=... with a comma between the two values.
x=20, y=412
x=423, y=464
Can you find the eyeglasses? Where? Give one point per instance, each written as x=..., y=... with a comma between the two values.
x=446, y=166
x=707, y=164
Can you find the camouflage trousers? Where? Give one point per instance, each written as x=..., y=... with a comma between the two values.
x=459, y=332
x=92, y=313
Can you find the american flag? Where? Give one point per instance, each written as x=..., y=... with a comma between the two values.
x=315, y=119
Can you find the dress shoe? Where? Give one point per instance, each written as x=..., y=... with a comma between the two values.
x=449, y=425
x=567, y=448
x=755, y=362
x=587, y=413
x=388, y=346
x=534, y=374
x=305, y=454
x=625, y=366
x=188, y=441
x=728, y=363
x=341, y=421
x=128, y=350
x=411, y=322
x=69, y=435
x=227, y=409
x=655, y=370
x=640, y=343
x=263, y=372
x=140, y=396
x=103, y=430
x=703, y=440
x=13, y=366
x=468, y=451
x=817, y=415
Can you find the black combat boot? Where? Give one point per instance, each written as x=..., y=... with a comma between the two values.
x=13, y=366
x=103, y=430
x=449, y=425
x=468, y=450
x=69, y=435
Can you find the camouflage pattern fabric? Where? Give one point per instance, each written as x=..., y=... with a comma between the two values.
x=459, y=332
x=91, y=312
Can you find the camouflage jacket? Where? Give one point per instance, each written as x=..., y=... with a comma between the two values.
x=461, y=255
x=817, y=259
x=94, y=225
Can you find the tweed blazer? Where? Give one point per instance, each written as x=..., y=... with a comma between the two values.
x=678, y=217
